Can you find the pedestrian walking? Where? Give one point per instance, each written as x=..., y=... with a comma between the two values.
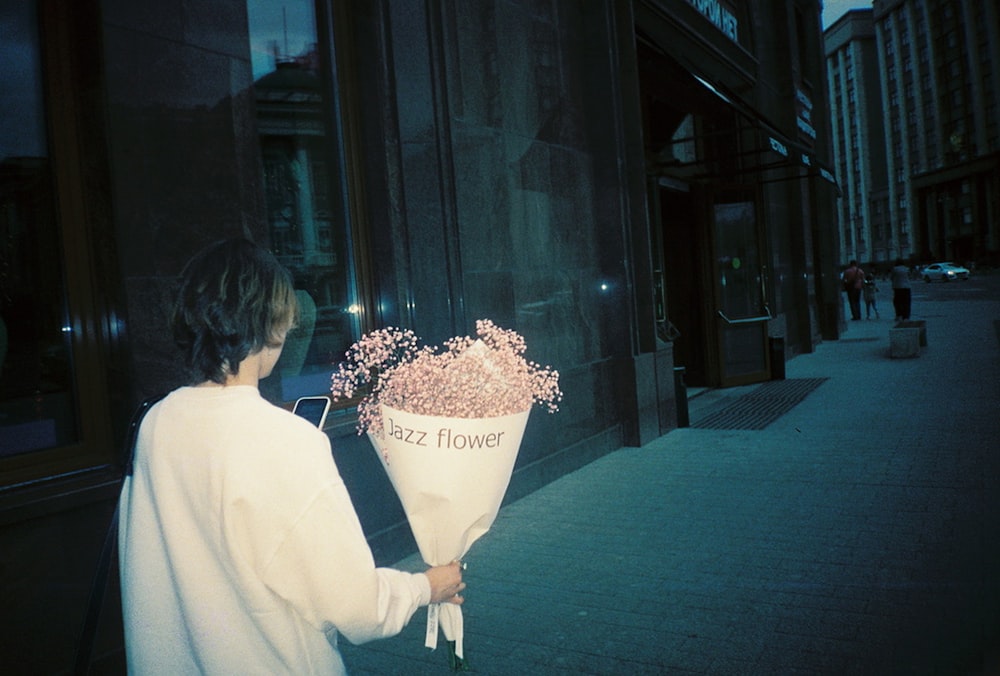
x=901, y=293
x=854, y=278
x=869, y=290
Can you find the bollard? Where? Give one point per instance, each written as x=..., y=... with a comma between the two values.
x=681, y=396
x=904, y=342
x=918, y=324
x=777, y=344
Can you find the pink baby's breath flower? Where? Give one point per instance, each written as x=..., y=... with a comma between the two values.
x=480, y=377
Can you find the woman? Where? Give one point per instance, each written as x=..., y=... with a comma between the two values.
x=240, y=549
x=854, y=278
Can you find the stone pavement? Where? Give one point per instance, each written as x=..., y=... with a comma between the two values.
x=859, y=533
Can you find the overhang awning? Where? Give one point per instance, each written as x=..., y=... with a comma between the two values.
x=773, y=141
x=801, y=157
x=776, y=141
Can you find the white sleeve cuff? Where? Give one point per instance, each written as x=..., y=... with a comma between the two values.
x=423, y=584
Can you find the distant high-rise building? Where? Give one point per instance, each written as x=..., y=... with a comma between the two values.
x=859, y=154
x=915, y=96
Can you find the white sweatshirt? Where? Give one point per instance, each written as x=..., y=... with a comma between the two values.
x=241, y=552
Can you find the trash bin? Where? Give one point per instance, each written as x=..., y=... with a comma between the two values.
x=777, y=357
x=681, y=396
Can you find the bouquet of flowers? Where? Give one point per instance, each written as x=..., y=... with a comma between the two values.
x=447, y=425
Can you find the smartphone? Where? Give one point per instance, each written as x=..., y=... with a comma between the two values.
x=313, y=409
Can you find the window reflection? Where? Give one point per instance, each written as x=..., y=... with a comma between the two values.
x=37, y=410
x=304, y=191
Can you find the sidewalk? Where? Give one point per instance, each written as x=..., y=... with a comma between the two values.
x=859, y=533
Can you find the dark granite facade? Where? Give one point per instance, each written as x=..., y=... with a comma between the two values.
x=495, y=136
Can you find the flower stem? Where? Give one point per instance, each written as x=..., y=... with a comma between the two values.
x=457, y=663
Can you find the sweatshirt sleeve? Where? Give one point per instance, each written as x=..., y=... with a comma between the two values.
x=325, y=569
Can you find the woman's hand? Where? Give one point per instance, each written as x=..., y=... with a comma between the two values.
x=446, y=583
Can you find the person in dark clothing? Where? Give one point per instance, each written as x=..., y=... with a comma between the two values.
x=901, y=294
x=854, y=280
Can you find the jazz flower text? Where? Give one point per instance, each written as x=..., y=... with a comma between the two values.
x=446, y=437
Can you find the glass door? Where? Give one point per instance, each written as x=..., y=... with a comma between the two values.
x=741, y=310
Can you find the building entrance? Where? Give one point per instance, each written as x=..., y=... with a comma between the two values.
x=679, y=233
x=714, y=283
x=707, y=236
x=740, y=294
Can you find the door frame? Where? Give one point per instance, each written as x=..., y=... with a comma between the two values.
x=719, y=323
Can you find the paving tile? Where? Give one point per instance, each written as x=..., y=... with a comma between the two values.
x=855, y=534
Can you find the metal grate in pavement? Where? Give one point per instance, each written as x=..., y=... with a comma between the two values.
x=757, y=409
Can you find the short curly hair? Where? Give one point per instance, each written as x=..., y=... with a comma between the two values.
x=235, y=299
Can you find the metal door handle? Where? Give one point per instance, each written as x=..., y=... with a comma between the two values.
x=747, y=320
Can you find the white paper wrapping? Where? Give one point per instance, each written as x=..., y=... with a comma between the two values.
x=450, y=475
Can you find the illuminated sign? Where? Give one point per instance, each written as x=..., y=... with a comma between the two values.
x=723, y=19
x=778, y=147
x=803, y=118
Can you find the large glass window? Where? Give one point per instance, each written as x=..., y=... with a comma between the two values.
x=37, y=406
x=305, y=187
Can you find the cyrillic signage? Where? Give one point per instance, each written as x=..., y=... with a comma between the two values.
x=803, y=117
x=719, y=15
x=778, y=147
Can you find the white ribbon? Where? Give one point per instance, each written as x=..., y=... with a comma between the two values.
x=431, y=639
x=449, y=617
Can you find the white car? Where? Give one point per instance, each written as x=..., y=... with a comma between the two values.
x=944, y=272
